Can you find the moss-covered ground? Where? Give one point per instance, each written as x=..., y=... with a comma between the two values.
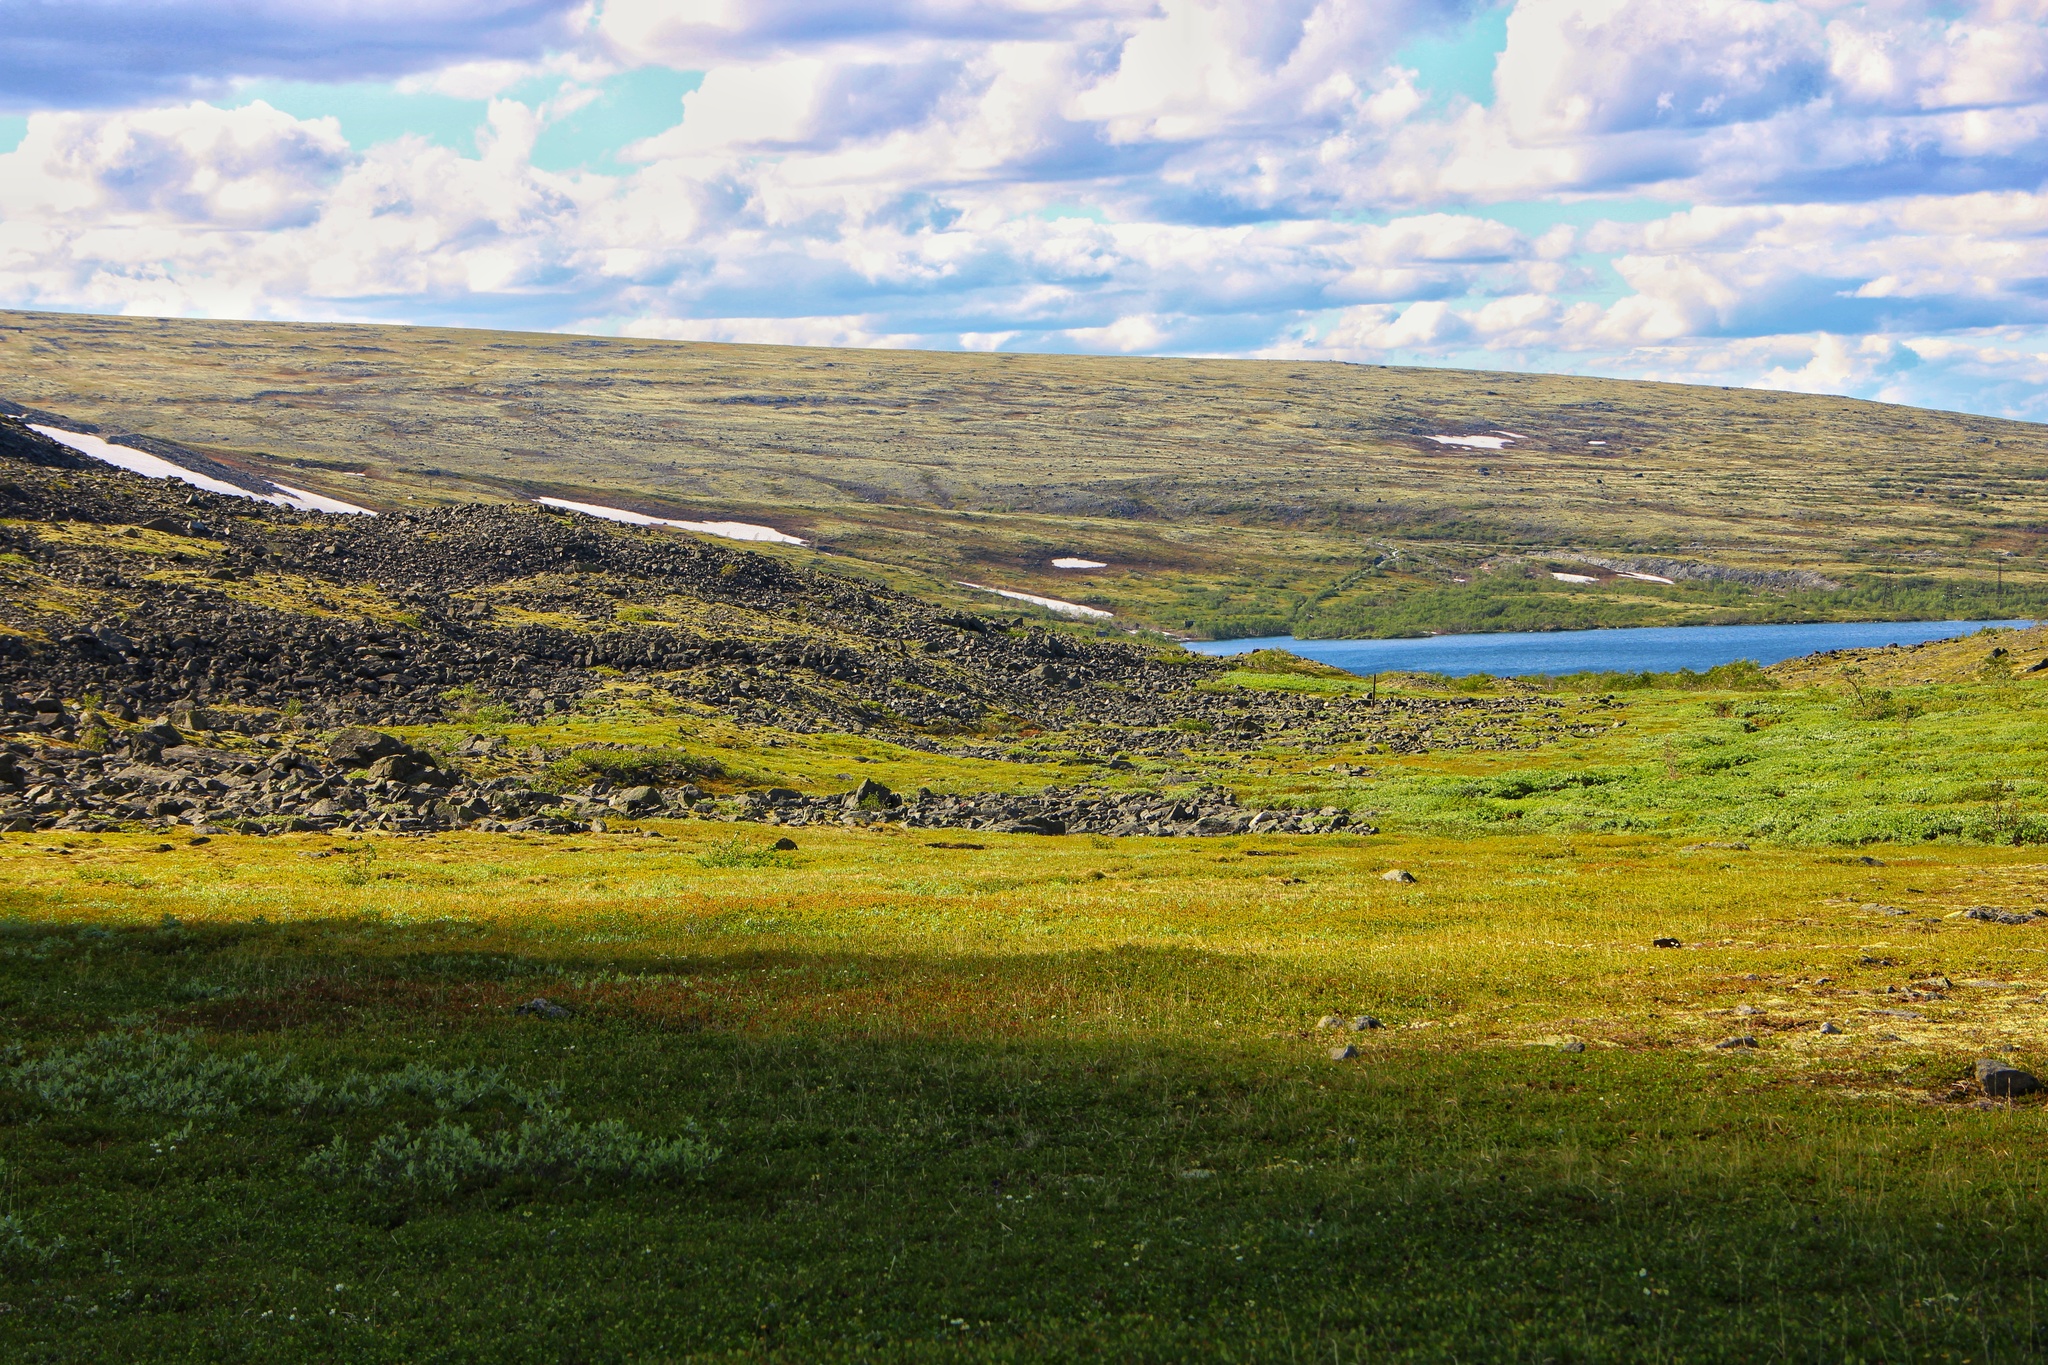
x=1068, y=1098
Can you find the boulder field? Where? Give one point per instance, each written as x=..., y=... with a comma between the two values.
x=141, y=616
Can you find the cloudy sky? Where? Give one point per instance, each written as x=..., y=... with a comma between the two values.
x=1808, y=194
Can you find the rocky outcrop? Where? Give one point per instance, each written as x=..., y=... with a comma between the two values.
x=364, y=780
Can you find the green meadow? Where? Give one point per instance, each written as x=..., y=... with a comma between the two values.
x=940, y=1095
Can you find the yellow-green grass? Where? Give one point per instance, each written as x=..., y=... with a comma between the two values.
x=1231, y=497
x=1051, y=1098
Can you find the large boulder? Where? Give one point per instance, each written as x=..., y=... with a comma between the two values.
x=358, y=747
x=2005, y=1080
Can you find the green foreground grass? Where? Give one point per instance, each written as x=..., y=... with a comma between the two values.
x=1047, y=1099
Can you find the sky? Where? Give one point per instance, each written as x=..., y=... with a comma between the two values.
x=1812, y=195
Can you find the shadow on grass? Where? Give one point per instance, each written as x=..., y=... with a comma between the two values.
x=893, y=1189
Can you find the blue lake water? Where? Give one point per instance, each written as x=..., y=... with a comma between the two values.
x=1651, y=649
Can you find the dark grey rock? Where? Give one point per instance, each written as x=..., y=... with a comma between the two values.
x=542, y=1007
x=1743, y=1041
x=1992, y=914
x=2003, y=1080
x=358, y=747
x=1665, y=943
x=1398, y=875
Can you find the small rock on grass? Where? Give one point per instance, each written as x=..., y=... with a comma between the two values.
x=784, y=845
x=1397, y=875
x=1831, y=1028
x=1343, y=1052
x=542, y=1007
x=1573, y=1046
x=1665, y=943
x=1744, y=1041
x=1362, y=1023
x=2004, y=1081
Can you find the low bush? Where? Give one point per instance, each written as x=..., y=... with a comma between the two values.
x=736, y=852
x=18, y=1248
x=447, y=1156
x=149, y=1073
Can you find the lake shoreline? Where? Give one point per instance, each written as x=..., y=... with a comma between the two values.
x=1604, y=649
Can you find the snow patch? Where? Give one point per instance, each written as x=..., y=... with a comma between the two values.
x=1069, y=562
x=1051, y=604
x=729, y=530
x=1573, y=577
x=1474, y=442
x=1641, y=577
x=156, y=467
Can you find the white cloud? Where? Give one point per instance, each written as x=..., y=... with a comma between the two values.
x=1861, y=186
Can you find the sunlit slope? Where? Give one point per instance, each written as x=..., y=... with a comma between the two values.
x=1224, y=495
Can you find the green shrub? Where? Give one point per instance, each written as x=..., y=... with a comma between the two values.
x=447, y=1156
x=18, y=1248
x=158, y=1073
x=471, y=705
x=448, y=1091
x=736, y=852
x=149, y=1073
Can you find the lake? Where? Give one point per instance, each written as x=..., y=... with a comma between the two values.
x=1648, y=649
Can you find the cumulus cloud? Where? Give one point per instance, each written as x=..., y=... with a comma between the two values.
x=1852, y=194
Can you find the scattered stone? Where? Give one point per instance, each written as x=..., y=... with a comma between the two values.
x=1363, y=1023
x=1898, y=1014
x=1665, y=943
x=1744, y=1041
x=1885, y=910
x=1869, y=861
x=2004, y=1081
x=543, y=1008
x=1332, y=1021
x=1343, y=1052
x=1748, y=1011
x=1398, y=875
x=946, y=843
x=1992, y=914
x=784, y=845
x=1831, y=1029
x=1573, y=1046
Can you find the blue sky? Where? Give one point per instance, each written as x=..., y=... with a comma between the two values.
x=1828, y=195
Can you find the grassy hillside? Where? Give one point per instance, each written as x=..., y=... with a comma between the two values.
x=1227, y=497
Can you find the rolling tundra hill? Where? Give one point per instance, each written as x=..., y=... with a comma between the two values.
x=1221, y=498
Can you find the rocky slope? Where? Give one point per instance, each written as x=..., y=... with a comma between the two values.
x=138, y=613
